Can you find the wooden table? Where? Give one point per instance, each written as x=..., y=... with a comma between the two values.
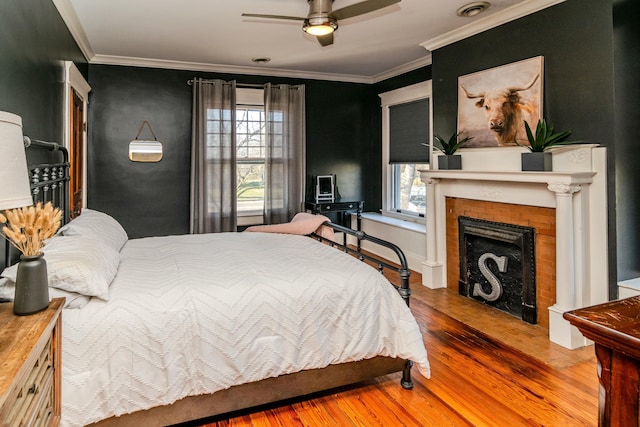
x=30, y=366
x=614, y=327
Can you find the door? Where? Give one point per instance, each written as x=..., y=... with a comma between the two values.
x=76, y=153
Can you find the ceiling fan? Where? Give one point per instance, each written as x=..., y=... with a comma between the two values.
x=322, y=21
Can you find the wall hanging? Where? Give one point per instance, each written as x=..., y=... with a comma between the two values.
x=145, y=150
x=493, y=104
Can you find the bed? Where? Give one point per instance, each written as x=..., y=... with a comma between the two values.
x=163, y=330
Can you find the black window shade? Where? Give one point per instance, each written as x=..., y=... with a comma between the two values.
x=408, y=130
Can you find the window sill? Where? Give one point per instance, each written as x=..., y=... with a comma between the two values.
x=418, y=227
x=248, y=218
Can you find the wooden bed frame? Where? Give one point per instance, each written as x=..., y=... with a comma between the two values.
x=49, y=183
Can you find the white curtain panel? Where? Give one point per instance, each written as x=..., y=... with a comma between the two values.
x=213, y=157
x=285, y=152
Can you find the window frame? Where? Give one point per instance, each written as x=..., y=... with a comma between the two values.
x=418, y=91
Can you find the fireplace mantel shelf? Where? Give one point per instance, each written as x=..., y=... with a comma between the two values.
x=569, y=178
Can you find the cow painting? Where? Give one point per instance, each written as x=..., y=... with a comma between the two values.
x=505, y=111
x=494, y=104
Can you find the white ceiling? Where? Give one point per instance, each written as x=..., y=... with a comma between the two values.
x=211, y=35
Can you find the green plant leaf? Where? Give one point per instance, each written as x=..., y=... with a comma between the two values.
x=450, y=146
x=546, y=137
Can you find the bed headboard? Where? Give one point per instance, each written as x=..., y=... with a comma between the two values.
x=49, y=179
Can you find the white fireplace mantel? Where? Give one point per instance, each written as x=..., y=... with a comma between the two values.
x=578, y=194
x=519, y=177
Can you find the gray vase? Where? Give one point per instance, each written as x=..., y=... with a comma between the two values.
x=537, y=162
x=32, y=285
x=450, y=162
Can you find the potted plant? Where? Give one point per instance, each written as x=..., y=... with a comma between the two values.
x=450, y=160
x=27, y=229
x=538, y=159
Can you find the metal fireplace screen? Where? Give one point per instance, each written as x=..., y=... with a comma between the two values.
x=497, y=266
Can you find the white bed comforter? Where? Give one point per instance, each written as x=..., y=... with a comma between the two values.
x=194, y=314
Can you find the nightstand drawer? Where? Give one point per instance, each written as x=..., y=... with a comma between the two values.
x=335, y=207
x=34, y=404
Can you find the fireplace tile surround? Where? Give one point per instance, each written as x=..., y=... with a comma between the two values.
x=542, y=220
x=567, y=207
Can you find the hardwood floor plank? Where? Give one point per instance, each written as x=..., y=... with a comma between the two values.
x=534, y=390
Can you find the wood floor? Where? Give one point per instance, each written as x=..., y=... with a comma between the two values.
x=507, y=375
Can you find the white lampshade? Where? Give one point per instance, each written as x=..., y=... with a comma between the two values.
x=14, y=173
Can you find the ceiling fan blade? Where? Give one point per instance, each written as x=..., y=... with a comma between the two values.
x=258, y=15
x=325, y=40
x=361, y=8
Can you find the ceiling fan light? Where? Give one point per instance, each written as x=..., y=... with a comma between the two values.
x=319, y=27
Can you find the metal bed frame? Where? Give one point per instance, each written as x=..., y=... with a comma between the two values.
x=402, y=268
x=49, y=183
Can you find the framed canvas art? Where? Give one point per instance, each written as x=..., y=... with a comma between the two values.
x=493, y=104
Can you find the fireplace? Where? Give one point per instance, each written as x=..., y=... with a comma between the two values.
x=571, y=259
x=497, y=266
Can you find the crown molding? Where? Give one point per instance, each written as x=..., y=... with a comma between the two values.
x=275, y=72
x=70, y=18
x=509, y=14
x=405, y=68
x=230, y=69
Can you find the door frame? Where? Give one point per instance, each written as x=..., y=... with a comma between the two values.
x=73, y=79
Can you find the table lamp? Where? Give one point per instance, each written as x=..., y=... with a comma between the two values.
x=14, y=174
x=32, y=292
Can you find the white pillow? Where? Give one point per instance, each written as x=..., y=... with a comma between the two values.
x=7, y=290
x=77, y=264
x=97, y=225
x=72, y=299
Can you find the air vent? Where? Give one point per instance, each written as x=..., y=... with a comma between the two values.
x=472, y=9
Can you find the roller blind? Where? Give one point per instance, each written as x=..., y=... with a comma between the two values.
x=408, y=129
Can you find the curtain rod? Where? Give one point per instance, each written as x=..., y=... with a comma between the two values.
x=190, y=83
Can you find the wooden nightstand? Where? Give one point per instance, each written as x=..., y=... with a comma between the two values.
x=30, y=368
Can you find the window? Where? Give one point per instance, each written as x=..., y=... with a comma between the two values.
x=407, y=189
x=406, y=122
x=250, y=156
x=250, y=148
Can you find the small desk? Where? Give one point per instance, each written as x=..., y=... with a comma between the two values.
x=340, y=206
x=614, y=327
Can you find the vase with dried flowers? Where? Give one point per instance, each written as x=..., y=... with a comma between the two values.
x=27, y=229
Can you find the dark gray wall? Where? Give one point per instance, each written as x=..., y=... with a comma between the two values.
x=576, y=40
x=153, y=198
x=626, y=54
x=33, y=41
x=147, y=198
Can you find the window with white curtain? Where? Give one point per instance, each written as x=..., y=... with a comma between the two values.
x=406, y=123
x=247, y=155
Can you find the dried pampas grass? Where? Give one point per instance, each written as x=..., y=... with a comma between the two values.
x=27, y=228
